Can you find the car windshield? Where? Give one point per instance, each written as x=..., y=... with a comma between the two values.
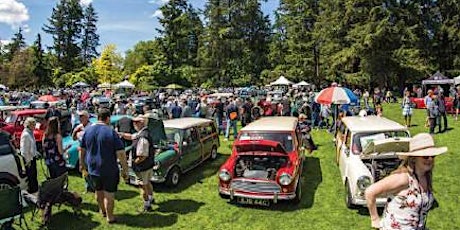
x=285, y=139
x=11, y=118
x=360, y=140
x=172, y=135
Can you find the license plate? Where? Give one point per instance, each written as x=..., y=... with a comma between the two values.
x=249, y=201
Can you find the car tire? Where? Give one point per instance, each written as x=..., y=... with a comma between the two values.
x=348, y=198
x=214, y=153
x=6, y=184
x=298, y=193
x=173, y=177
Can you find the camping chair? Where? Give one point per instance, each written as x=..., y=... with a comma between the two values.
x=49, y=193
x=11, y=202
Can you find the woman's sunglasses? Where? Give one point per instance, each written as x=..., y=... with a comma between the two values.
x=426, y=157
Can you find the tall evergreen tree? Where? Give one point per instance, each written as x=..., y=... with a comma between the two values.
x=41, y=69
x=181, y=30
x=90, y=38
x=17, y=44
x=65, y=25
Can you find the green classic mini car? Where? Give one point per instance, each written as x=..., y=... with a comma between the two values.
x=190, y=141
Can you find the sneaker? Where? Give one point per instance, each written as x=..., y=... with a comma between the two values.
x=145, y=209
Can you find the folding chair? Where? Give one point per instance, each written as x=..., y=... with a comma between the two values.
x=11, y=202
x=49, y=193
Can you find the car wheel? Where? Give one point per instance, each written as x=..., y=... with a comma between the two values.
x=6, y=184
x=214, y=152
x=298, y=193
x=173, y=177
x=348, y=198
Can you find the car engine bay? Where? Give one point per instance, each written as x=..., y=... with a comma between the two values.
x=259, y=167
x=381, y=168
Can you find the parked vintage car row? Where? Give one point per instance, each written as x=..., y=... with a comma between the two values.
x=267, y=157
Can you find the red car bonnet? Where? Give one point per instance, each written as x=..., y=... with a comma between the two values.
x=259, y=147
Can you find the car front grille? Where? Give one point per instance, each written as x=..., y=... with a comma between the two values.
x=257, y=186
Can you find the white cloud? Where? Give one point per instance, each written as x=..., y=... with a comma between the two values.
x=85, y=2
x=157, y=14
x=5, y=42
x=158, y=2
x=13, y=13
x=25, y=28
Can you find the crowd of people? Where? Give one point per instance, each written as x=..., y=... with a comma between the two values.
x=102, y=146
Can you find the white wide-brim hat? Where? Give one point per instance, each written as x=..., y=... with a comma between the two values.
x=422, y=145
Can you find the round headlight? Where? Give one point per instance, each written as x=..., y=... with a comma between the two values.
x=363, y=182
x=157, y=165
x=224, y=175
x=285, y=179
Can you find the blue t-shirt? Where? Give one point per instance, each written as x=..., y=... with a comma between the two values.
x=101, y=143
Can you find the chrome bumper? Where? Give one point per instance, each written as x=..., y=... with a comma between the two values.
x=274, y=196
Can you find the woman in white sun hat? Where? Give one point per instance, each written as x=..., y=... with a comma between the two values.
x=411, y=185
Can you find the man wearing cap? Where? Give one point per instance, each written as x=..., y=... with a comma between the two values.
x=142, y=156
x=411, y=185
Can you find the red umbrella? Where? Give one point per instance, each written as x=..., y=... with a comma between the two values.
x=48, y=98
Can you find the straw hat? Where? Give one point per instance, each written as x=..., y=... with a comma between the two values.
x=422, y=145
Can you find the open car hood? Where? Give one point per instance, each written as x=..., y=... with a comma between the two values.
x=244, y=146
x=390, y=145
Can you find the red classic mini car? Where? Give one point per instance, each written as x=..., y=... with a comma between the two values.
x=266, y=163
x=13, y=124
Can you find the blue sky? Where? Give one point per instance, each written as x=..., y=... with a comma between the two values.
x=121, y=22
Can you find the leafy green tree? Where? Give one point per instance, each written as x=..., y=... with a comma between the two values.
x=109, y=65
x=90, y=38
x=143, y=53
x=20, y=70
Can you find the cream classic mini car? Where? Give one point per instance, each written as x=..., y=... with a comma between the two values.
x=366, y=149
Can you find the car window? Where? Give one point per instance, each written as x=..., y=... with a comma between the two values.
x=11, y=118
x=172, y=135
x=286, y=139
x=360, y=140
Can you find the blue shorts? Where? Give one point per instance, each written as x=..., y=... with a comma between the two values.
x=103, y=183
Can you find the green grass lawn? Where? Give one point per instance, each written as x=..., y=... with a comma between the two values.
x=195, y=204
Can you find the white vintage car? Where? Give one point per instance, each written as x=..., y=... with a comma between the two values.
x=365, y=148
x=12, y=168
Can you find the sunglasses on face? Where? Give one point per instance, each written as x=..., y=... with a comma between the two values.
x=426, y=157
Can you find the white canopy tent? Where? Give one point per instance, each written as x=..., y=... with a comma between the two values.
x=282, y=81
x=301, y=84
x=3, y=87
x=457, y=80
x=125, y=84
x=80, y=84
x=104, y=85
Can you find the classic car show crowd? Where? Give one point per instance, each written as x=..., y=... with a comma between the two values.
x=154, y=137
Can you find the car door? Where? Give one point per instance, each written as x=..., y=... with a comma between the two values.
x=344, y=153
x=191, y=149
x=207, y=139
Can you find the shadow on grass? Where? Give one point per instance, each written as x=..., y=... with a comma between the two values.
x=125, y=194
x=311, y=178
x=64, y=219
x=179, y=206
x=147, y=220
x=197, y=175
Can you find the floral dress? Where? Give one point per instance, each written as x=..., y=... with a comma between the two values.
x=54, y=160
x=408, y=210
